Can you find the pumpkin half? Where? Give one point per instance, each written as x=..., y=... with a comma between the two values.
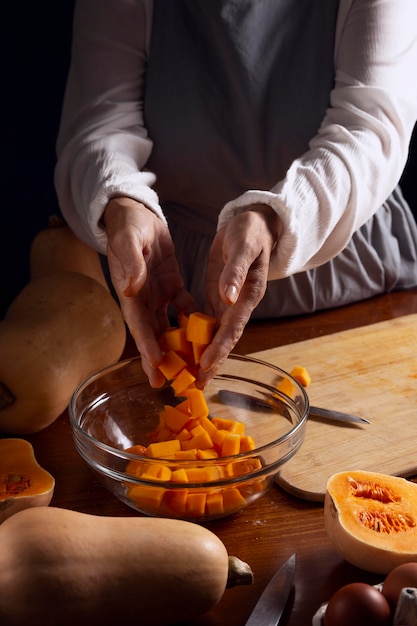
x=23, y=482
x=371, y=519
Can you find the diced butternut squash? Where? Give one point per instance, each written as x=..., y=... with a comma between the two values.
x=247, y=443
x=208, y=425
x=175, y=339
x=186, y=455
x=195, y=504
x=209, y=453
x=233, y=500
x=231, y=444
x=244, y=466
x=163, y=449
x=198, y=404
x=301, y=375
x=135, y=468
x=200, y=328
x=147, y=496
x=179, y=476
x=201, y=441
x=173, y=419
x=184, y=380
x=156, y=471
x=171, y=365
x=232, y=426
x=186, y=433
x=175, y=501
x=214, y=503
x=198, y=349
x=286, y=386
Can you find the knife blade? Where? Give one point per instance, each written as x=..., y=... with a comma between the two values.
x=242, y=400
x=270, y=606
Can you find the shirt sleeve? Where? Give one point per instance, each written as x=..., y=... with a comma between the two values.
x=360, y=150
x=102, y=144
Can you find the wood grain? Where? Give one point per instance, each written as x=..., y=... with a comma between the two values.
x=370, y=371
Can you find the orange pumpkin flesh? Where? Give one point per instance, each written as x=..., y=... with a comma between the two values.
x=23, y=482
x=371, y=519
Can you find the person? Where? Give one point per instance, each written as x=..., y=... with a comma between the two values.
x=240, y=157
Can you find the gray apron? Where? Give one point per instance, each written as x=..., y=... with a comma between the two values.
x=235, y=89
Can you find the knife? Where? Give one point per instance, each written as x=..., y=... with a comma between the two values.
x=238, y=399
x=270, y=606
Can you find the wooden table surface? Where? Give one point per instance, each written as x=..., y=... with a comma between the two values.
x=271, y=529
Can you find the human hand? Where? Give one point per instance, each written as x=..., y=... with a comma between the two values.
x=236, y=281
x=144, y=272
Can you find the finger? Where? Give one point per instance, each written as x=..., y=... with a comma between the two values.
x=156, y=378
x=127, y=266
x=144, y=329
x=232, y=325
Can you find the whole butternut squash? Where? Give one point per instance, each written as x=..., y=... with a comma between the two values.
x=61, y=567
x=63, y=326
x=57, y=249
x=60, y=329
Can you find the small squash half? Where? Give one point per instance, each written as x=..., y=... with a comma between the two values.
x=371, y=519
x=23, y=482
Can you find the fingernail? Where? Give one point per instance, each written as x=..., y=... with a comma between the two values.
x=231, y=293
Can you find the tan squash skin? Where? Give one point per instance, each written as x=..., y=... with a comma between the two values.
x=60, y=329
x=57, y=249
x=65, y=568
x=23, y=482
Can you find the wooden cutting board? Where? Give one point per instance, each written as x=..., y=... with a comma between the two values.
x=370, y=371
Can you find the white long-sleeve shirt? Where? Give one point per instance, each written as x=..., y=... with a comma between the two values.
x=352, y=165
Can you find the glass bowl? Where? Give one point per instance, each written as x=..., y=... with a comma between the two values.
x=116, y=410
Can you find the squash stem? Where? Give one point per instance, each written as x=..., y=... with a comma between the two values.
x=240, y=573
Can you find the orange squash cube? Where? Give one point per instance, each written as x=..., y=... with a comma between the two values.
x=198, y=349
x=179, y=476
x=184, y=380
x=146, y=496
x=175, y=501
x=196, y=504
x=233, y=500
x=198, y=404
x=301, y=375
x=173, y=419
x=214, y=503
x=200, y=328
x=163, y=449
x=231, y=444
x=157, y=471
x=171, y=365
x=286, y=386
x=247, y=443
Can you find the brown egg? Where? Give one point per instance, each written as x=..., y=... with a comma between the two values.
x=357, y=604
x=404, y=575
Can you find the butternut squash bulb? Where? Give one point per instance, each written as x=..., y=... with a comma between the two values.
x=23, y=482
x=63, y=326
x=63, y=568
x=371, y=519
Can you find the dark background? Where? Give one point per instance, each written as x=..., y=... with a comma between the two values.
x=35, y=41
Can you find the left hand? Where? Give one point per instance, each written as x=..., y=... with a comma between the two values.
x=237, y=275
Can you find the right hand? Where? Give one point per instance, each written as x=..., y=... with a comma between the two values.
x=144, y=272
